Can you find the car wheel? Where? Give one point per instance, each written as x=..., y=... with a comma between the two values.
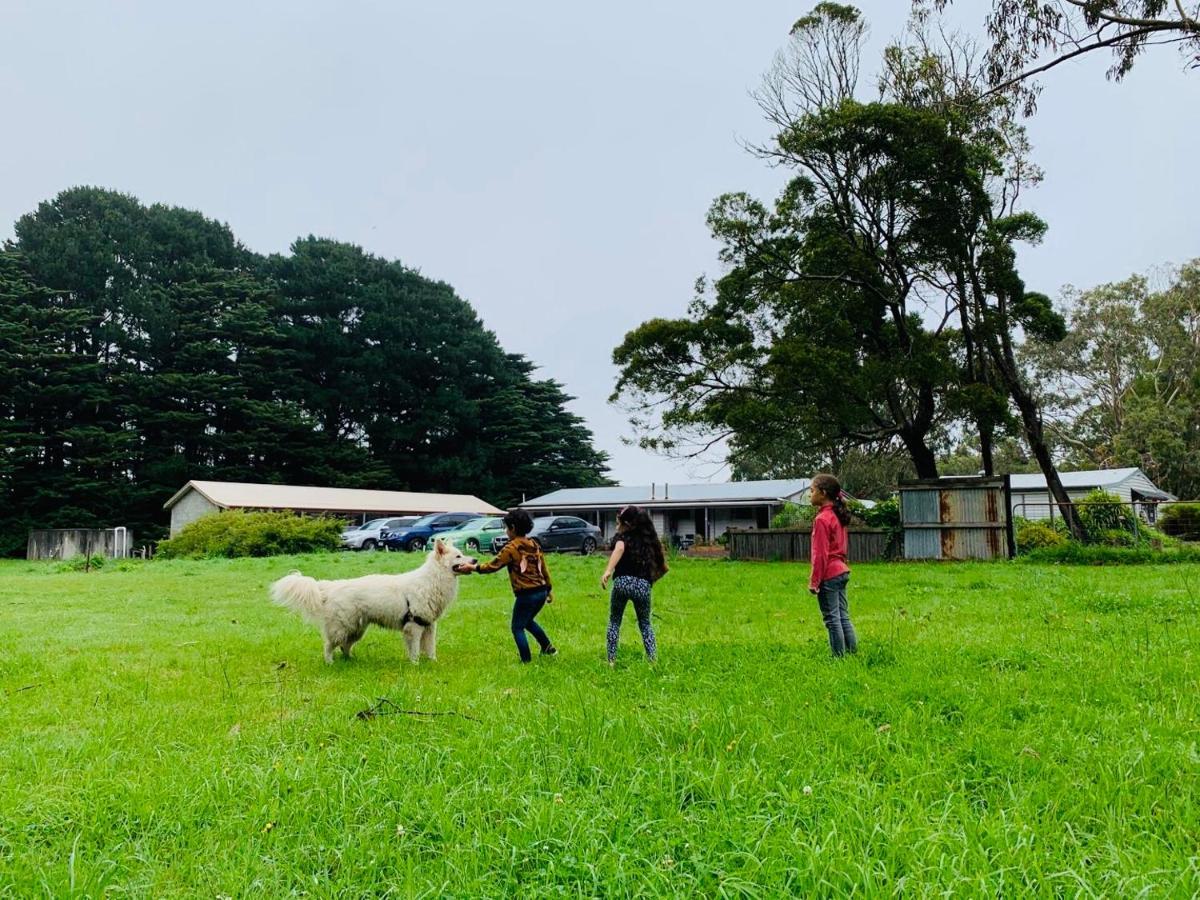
x=416, y=544
x=368, y=544
x=587, y=547
x=472, y=545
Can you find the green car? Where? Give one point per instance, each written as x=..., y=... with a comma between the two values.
x=474, y=534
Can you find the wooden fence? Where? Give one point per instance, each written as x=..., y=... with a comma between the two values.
x=795, y=544
x=66, y=543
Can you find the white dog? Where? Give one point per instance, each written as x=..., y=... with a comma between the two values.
x=412, y=602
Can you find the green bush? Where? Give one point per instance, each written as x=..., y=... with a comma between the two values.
x=1072, y=553
x=80, y=563
x=1035, y=535
x=237, y=533
x=794, y=515
x=1180, y=520
x=885, y=514
x=1101, y=513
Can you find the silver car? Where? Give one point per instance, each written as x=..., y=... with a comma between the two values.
x=366, y=537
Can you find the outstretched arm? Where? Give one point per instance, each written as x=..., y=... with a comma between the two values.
x=502, y=559
x=613, y=559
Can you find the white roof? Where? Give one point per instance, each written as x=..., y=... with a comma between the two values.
x=729, y=493
x=236, y=494
x=1087, y=479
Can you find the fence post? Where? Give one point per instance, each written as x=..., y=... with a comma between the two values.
x=1011, y=530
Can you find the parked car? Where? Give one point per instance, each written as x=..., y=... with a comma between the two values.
x=369, y=535
x=559, y=534
x=474, y=534
x=417, y=535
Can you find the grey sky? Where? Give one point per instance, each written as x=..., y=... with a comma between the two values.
x=547, y=156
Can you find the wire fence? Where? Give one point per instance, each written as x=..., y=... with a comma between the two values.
x=1175, y=518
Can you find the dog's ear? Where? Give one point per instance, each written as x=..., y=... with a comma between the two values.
x=440, y=546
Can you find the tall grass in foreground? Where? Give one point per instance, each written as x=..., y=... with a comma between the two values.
x=1006, y=730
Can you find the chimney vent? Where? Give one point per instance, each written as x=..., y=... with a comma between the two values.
x=652, y=490
x=666, y=491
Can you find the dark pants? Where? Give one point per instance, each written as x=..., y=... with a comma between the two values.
x=525, y=607
x=831, y=597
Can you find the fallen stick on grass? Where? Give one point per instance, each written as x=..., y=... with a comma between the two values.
x=385, y=707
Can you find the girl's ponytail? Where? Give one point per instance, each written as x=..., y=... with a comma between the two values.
x=832, y=488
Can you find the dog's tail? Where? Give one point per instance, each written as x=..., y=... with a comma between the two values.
x=301, y=594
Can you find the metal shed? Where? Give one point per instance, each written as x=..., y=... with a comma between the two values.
x=956, y=518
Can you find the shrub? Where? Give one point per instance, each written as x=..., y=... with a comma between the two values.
x=1101, y=513
x=1072, y=553
x=237, y=533
x=794, y=515
x=1181, y=520
x=885, y=515
x=1035, y=535
x=80, y=563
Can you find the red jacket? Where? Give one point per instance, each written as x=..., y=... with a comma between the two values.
x=830, y=546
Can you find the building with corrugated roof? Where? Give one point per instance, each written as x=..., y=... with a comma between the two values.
x=1031, y=499
x=198, y=498
x=687, y=511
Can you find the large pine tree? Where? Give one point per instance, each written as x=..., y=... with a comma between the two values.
x=143, y=346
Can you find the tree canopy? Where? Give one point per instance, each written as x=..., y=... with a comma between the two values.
x=877, y=302
x=142, y=346
x=1029, y=37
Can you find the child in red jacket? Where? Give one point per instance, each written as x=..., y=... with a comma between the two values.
x=830, y=571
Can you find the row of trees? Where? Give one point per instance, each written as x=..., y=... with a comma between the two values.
x=142, y=346
x=1123, y=387
x=873, y=316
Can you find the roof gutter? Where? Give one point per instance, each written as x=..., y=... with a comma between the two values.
x=656, y=504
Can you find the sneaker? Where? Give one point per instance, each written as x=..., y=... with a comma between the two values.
x=549, y=651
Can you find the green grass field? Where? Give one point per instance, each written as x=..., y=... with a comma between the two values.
x=1006, y=730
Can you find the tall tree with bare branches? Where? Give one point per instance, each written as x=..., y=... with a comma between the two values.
x=1029, y=37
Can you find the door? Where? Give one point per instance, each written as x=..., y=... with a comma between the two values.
x=558, y=535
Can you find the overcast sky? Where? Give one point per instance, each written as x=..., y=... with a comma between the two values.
x=544, y=156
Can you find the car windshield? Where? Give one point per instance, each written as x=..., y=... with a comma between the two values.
x=474, y=524
x=426, y=520
x=374, y=523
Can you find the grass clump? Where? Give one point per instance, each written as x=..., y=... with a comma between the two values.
x=234, y=533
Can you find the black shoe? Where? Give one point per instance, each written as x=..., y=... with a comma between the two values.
x=549, y=650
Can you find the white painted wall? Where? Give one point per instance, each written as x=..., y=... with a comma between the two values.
x=190, y=507
x=1038, y=502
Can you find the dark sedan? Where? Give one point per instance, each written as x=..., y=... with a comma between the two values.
x=560, y=534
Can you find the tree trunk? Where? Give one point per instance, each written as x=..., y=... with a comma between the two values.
x=922, y=457
x=986, y=447
x=1035, y=435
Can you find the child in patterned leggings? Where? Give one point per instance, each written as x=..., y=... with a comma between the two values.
x=637, y=562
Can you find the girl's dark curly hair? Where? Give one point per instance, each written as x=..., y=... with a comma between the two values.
x=641, y=541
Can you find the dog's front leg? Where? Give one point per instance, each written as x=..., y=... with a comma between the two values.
x=412, y=641
x=429, y=641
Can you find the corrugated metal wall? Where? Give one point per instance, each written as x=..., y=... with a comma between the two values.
x=956, y=518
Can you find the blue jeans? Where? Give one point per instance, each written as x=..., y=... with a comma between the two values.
x=831, y=597
x=525, y=607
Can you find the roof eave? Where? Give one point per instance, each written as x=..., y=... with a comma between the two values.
x=192, y=485
x=650, y=504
